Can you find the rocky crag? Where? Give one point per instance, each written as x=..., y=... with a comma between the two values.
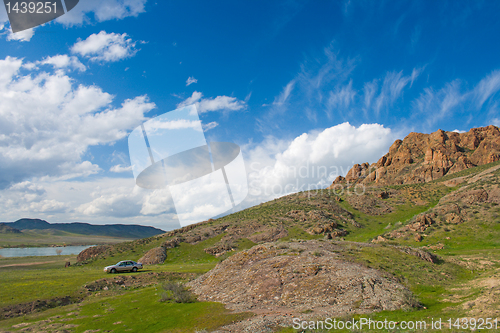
x=421, y=158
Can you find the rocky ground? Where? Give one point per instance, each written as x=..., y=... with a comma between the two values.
x=280, y=281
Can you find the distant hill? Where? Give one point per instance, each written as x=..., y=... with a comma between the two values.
x=5, y=229
x=110, y=230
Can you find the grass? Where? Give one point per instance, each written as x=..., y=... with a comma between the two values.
x=136, y=311
x=45, y=238
x=139, y=309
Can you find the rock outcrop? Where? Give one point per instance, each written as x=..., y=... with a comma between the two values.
x=421, y=158
x=154, y=256
x=92, y=252
x=298, y=276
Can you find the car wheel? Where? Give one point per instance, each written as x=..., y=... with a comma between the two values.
x=113, y=271
x=134, y=269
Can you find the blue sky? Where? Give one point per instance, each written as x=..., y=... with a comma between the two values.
x=294, y=83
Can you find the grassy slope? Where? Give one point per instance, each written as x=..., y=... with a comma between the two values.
x=431, y=283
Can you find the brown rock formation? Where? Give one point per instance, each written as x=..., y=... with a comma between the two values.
x=154, y=256
x=304, y=276
x=422, y=158
x=92, y=252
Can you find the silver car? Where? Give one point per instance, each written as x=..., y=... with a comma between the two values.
x=123, y=266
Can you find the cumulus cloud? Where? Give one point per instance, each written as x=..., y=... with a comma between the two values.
x=190, y=81
x=312, y=160
x=107, y=47
x=60, y=61
x=59, y=122
x=219, y=103
x=127, y=201
x=88, y=11
x=27, y=197
x=22, y=36
x=98, y=200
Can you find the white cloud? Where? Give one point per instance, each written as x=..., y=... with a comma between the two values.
x=312, y=160
x=219, y=103
x=441, y=104
x=22, y=36
x=127, y=201
x=487, y=88
x=27, y=197
x=415, y=74
x=191, y=80
x=97, y=201
x=369, y=91
x=116, y=202
x=340, y=99
x=106, y=47
x=285, y=94
x=209, y=126
x=88, y=11
x=48, y=123
x=454, y=99
x=155, y=124
x=325, y=84
x=119, y=168
x=59, y=61
x=393, y=86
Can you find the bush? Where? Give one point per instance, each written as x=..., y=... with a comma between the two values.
x=176, y=292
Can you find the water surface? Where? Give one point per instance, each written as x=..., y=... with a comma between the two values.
x=42, y=251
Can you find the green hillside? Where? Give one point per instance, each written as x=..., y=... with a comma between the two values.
x=392, y=229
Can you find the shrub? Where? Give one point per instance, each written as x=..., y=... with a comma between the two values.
x=317, y=254
x=176, y=292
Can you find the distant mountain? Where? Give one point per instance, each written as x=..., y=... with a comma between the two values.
x=111, y=230
x=5, y=229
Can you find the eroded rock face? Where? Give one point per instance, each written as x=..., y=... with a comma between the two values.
x=421, y=158
x=154, y=256
x=298, y=276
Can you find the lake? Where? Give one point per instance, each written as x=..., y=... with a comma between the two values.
x=42, y=251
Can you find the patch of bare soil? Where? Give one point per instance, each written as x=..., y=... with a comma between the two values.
x=487, y=304
x=29, y=264
x=280, y=280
